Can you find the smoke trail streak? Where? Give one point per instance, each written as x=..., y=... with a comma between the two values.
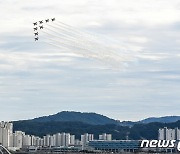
x=76, y=33
x=89, y=36
x=73, y=29
x=86, y=38
x=78, y=49
x=88, y=43
x=81, y=51
x=72, y=33
x=72, y=40
x=59, y=32
x=90, y=56
x=82, y=45
x=82, y=55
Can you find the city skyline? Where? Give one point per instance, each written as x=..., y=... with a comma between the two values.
x=37, y=79
x=19, y=139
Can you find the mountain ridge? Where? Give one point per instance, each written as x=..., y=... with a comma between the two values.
x=136, y=132
x=98, y=119
x=163, y=119
x=85, y=117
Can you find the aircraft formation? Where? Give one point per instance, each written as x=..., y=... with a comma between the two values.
x=69, y=39
x=39, y=25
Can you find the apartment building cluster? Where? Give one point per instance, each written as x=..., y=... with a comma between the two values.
x=169, y=134
x=19, y=139
x=6, y=132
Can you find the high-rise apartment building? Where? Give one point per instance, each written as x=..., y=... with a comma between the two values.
x=18, y=139
x=105, y=137
x=169, y=134
x=6, y=131
x=86, y=138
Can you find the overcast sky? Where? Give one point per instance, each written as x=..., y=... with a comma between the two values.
x=36, y=79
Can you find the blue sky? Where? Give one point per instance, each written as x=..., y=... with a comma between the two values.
x=37, y=79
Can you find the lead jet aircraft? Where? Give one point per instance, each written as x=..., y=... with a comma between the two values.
x=35, y=23
x=41, y=21
x=36, y=38
x=36, y=34
x=47, y=20
x=35, y=29
x=41, y=27
x=53, y=19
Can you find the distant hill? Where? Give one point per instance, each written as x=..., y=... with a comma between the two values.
x=136, y=132
x=67, y=116
x=78, y=123
x=166, y=119
x=98, y=119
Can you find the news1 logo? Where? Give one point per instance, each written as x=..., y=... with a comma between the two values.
x=160, y=144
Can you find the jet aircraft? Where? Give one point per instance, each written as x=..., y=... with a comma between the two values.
x=41, y=27
x=35, y=23
x=36, y=38
x=47, y=20
x=41, y=21
x=36, y=34
x=35, y=29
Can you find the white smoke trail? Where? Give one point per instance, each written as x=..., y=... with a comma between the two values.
x=70, y=47
x=89, y=38
x=84, y=44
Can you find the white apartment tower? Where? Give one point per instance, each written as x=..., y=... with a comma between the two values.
x=58, y=139
x=6, y=131
x=18, y=139
x=67, y=139
x=169, y=134
x=105, y=137
x=26, y=140
x=52, y=141
x=72, y=139
x=85, y=139
x=63, y=139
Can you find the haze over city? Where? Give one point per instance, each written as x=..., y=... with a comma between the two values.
x=37, y=79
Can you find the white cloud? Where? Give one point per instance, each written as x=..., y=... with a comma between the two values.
x=137, y=39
